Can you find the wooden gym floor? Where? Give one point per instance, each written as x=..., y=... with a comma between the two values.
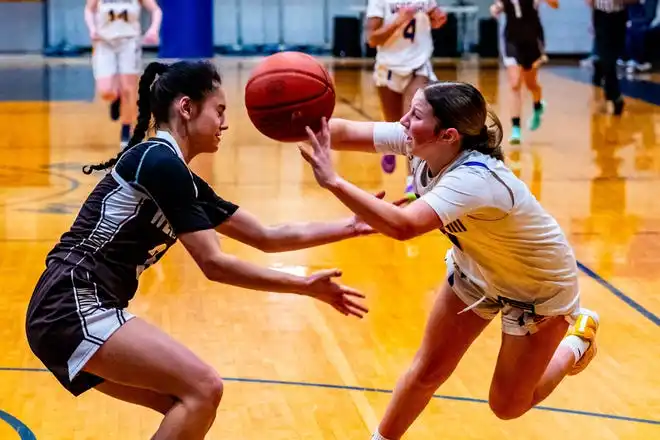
x=294, y=369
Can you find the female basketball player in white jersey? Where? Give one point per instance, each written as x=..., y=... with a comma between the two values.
x=509, y=255
x=115, y=30
x=524, y=52
x=401, y=32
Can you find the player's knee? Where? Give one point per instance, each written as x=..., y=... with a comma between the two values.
x=208, y=391
x=516, y=85
x=507, y=408
x=108, y=94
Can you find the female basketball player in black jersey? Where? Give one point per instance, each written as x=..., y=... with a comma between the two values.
x=77, y=324
x=524, y=52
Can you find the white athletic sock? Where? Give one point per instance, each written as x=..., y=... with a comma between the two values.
x=377, y=436
x=578, y=345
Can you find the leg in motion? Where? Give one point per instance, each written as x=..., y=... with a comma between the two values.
x=447, y=337
x=531, y=82
x=130, y=67
x=105, y=67
x=529, y=367
x=129, y=91
x=514, y=74
x=141, y=356
x=138, y=396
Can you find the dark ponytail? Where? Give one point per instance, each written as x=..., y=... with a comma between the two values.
x=193, y=79
x=144, y=102
x=144, y=115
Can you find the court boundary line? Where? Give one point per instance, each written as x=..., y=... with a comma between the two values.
x=23, y=431
x=386, y=391
x=585, y=269
x=619, y=294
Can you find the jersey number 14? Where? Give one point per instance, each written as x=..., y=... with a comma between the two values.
x=409, y=31
x=122, y=16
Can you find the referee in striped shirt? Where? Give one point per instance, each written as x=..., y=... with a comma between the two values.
x=609, y=21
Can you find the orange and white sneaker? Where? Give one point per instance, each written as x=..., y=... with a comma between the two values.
x=585, y=328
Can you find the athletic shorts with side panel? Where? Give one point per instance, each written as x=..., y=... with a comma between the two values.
x=518, y=318
x=69, y=318
x=117, y=57
x=397, y=82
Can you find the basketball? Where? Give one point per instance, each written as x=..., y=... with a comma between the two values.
x=286, y=92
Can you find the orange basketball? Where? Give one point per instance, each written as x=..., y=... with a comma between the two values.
x=286, y=92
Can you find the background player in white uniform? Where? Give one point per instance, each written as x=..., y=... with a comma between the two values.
x=401, y=32
x=509, y=255
x=115, y=30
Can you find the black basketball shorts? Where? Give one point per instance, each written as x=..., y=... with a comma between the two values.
x=524, y=53
x=68, y=320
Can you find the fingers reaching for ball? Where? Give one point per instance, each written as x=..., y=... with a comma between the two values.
x=318, y=156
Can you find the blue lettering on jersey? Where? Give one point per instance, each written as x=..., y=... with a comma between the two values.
x=418, y=6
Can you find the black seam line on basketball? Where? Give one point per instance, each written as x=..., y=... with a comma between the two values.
x=307, y=74
x=74, y=184
x=386, y=391
x=283, y=105
x=322, y=80
x=586, y=270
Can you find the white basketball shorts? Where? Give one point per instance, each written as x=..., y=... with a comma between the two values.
x=117, y=57
x=397, y=82
x=519, y=318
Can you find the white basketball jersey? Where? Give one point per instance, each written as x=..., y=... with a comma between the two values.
x=118, y=19
x=503, y=238
x=410, y=46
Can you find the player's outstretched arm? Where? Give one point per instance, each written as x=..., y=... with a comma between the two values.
x=368, y=137
x=352, y=135
x=401, y=223
x=246, y=228
x=204, y=247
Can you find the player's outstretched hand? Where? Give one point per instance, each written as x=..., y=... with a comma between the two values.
x=319, y=155
x=320, y=285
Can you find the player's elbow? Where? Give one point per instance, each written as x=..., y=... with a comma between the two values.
x=210, y=267
x=402, y=232
x=269, y=241
x=214, y=267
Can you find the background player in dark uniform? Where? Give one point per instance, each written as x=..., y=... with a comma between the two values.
x=76, y=321
x=524, y=51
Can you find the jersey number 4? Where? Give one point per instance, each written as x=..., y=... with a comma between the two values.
x=409, y=31
x=122, y=16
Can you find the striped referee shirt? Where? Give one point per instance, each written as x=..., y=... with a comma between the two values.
x=609, y=5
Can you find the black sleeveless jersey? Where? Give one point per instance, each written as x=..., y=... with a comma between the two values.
x=133, y=216
x=522, y=20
